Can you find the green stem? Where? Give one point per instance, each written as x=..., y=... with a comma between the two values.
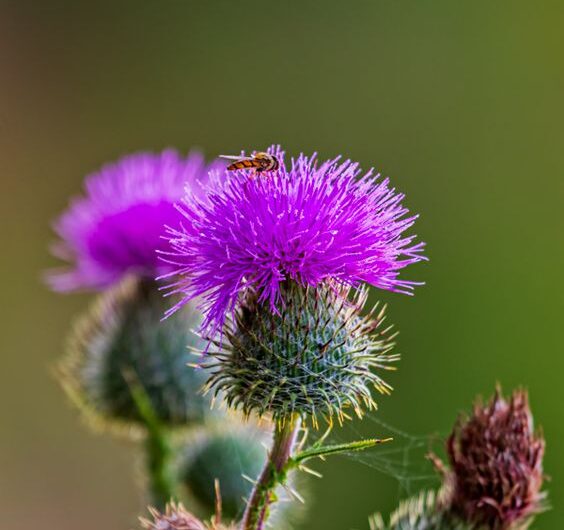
x=273, y=474
x=159, y=459
x=159, y=452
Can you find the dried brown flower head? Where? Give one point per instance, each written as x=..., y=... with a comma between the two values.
x=176, y=517
x=496, y=464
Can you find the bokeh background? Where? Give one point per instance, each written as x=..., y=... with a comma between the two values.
x=461, y=103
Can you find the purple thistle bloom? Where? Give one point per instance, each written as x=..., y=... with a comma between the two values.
x=309, y=223
x=117, y=227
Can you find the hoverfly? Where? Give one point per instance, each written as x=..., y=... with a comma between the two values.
x=260, y=162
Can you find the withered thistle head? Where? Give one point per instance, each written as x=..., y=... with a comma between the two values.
x=496, y=464
x=316, y=356
x=175, y=517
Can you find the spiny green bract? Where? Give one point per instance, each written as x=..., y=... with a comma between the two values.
x=315, y=356
x=123, y=340
x=422, y=512
x=225, y=456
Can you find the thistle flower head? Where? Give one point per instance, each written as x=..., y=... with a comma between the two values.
x=496, y=461
x=309, y=222
x=122, y=340
x=117, y=226
x=317, y=356
x=176, y=517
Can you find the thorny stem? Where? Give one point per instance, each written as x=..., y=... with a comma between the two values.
x=273, y=474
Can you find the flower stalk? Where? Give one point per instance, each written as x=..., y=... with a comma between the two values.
x=273, y=474
x=159, y=452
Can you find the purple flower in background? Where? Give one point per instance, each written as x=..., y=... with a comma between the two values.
x=117, y=227
x=309, y=223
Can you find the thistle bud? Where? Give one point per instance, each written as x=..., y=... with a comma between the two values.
x=425, y=511
x=227, y=456
x=224, y=464
x=315, y=355
x=123, y=339
x=496, y=464
x=175, y=517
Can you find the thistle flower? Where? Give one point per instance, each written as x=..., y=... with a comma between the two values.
x=273, y=260
x=122, y=337
x=496, y=461
x=315, y=357
x=308, y=224
x=176, y=517
x=118, y=225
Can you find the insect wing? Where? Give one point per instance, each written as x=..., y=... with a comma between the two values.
x=232, y=157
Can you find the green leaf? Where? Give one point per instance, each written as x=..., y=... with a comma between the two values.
x=320, y=451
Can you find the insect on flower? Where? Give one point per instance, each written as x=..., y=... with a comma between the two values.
x=260, y=162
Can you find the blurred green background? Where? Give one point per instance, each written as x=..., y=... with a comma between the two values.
x=461, y=103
